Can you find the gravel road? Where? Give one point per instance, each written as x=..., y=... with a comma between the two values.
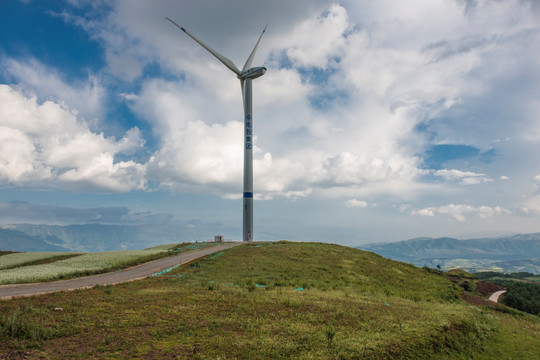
x=130, y=274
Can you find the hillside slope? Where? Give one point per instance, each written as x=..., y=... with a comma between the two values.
x=268, y=301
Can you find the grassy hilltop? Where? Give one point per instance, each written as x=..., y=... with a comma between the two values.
x=270, y=301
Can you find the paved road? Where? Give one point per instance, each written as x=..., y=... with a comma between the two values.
x=495, y=296
x=134, y=273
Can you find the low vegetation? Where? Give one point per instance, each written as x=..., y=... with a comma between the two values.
x=519, y=276
x=521, y=296
x=523, y=290
x=269, y=301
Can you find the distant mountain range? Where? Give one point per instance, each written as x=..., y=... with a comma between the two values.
x=14, y=240
x=94, y=237
x=506, y=254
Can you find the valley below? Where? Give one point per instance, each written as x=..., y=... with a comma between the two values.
x=517, y=253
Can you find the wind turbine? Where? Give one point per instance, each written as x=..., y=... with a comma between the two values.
x=246, y=75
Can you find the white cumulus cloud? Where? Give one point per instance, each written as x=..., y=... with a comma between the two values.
x=85, y=97
x=316, y=42
x=460, y=211
x=48, y=145
x=464, y=177
x=354, y=203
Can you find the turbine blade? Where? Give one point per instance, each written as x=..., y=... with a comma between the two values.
x=247, y=65
x=224, y=60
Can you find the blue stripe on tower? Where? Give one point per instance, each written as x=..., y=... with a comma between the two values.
x=248, y=195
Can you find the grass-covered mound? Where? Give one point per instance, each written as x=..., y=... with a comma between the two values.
x=266, y=301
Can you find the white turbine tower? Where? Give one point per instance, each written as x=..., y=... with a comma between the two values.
x=247, y=74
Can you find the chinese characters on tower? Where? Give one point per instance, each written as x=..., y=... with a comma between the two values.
x=248, y=141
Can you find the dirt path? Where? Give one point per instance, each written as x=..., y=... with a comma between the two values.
x=130, y=274
x=495, y=296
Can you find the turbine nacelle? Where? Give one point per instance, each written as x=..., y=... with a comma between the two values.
x=252, y=73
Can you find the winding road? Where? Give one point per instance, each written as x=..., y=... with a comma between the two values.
x=130, y=274
x=495, y=296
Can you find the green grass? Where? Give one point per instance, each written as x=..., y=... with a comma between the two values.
x=461, y=273
x=32, y=325
x=246, y=303
x=327, y=267
x=518, y=338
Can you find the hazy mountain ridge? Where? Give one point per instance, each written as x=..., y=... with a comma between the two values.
x=513, y=253
x=504, y=248
x=93, y=237
x=14, y=240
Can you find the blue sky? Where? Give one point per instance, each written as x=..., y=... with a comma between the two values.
x=376, y=120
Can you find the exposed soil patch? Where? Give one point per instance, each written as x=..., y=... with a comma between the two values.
x=472, y=299
x=15, y=355
x=486, y=288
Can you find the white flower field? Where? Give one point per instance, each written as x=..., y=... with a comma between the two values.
x=84, y=264
x=19, y=259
